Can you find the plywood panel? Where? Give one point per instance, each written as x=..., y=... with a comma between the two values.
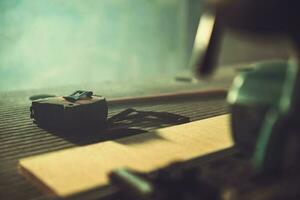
x=77, y=169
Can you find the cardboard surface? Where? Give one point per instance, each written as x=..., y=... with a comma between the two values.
x=77, y=169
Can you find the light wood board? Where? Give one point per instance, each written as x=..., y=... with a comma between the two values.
x=77, y=169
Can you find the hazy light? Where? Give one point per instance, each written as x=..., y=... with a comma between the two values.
x=50, y=43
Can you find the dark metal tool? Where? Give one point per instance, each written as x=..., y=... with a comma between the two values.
x=265, y=102
x=80, y=110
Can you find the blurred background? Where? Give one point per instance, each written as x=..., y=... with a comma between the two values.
x=50, y=43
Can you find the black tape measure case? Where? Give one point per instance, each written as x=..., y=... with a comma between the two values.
x=80, y=110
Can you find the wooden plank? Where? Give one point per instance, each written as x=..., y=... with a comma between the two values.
x=167, y=96
x=77, y=169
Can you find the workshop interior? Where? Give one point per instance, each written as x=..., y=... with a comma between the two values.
x=149, y=99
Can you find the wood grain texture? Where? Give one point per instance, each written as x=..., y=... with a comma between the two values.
x=77, y=169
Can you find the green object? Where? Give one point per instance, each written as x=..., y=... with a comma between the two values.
x=264, y=112
x=254, y=91
x=280, y=122
x=137, y=185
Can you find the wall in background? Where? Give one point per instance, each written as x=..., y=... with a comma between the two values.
x=50, y=43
